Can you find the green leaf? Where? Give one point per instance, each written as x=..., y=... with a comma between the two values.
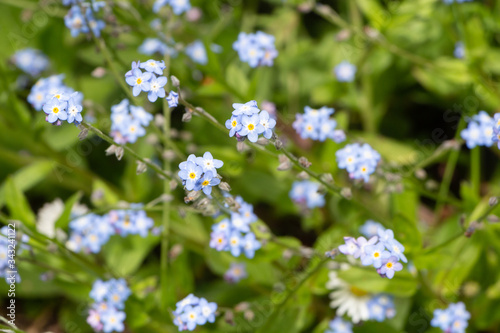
x=63, y=220
x=237, y=79
x=17, y=203
x=367, y=279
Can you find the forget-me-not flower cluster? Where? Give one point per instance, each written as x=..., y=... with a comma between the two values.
x=305, y=193
x=339, y=325
x=30, y=61
x=381, y=307
x=193, y=311
x=7, y=259
x=248, y=121
x=345, y=71
x=256, y=49
x=316, y=124
x=106, y=313
x=128, y=122
x=200, y=173
x=151, y=80
x=178, y=6
x=58, y=101
x=480, y=130
x=234, y=235
x=370, y=228
x=382, y=252
x=453, y=319
x=88, y=233
x=84, y=22
x=359, y=160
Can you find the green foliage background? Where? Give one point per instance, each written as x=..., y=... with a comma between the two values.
x=409, y=101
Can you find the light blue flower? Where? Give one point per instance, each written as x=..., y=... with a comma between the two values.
x=235, y=243
x=193, y=311
x=256, y=49
x=236, y=273
x=250, y=245
x=374, y=255
x=156, y=88
x=251, y=127
x=208, y=163
x=134, y=130
x=206, y=182
x=190, y=175
x=248, y=108
x=339, y=325
x=173, y=99
x=370, y=228
x=56, y=110
x=267, y=123
x=345, y=71
x=197, y=52
x=74, y=111
x=207, y=310
x=153, y=66
x=112, y=320
x=139, y=81
x=233, y=125
x=142, y=116
x=390, y=266
x=30, y=61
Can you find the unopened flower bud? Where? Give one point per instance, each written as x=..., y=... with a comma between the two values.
x=346, y=193
x=249, y=315
x=420, y=174
x=175, y=81
x=327, y=178
x=175, y=251
x=493, y=201
x=285, y=163
x=278, y=144
x=303, y=175
x=173, y=184
x=83, y=132
x=243, y=306
x=141, y=167
x=262, y=141
x=225, y=187
x=159, y=120
x=186, y=117
x=110, y=150
x=119, y=153
x=304, y=162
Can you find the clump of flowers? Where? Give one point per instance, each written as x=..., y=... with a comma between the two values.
x=305, y=193
x=178, y=6
x=150, y=81
x=235, y=273
x=359, y=160
x=248, y=121
x=356, y=303
x=480, y=130
x=109, y=298
x=256, y=49
x=7, y=258
x=381, y=307
x=128, y=122
x=345, y=71
x=457, y=1
x=193, y=311
x=84, y=22
x=316, y=124
x=339, y=325
x=452, y=319
x=200, y=173
x=233, y=234
x=197, y=52
x=30, y=61
x=88, y=233
x=58, y=101
x=382, y=252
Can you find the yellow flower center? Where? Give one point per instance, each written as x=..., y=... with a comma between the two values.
x=192, y=175
x=358, y=292
x=251, y=127
x=55, y=110
x=139, y=80
x=234, y=123
x=376, y=254
x=363, y=169
x=205, y=183
x=388, y=265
